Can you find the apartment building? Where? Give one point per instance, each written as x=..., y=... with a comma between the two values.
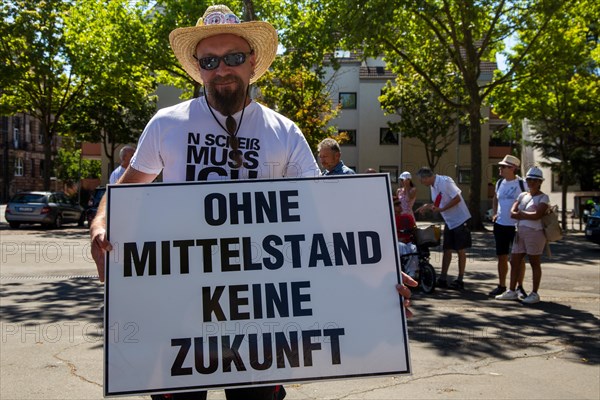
x=356, y=86
x=22, y=155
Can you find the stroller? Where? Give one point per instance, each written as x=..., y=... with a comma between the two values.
x=414, y=256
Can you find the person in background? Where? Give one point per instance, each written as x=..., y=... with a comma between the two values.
x=405, y=223
x=125, y=155
x=508, y=188
x=249, y=140
x=330, y=157
x=448, y=201
x=406, y=193
x=528, y=210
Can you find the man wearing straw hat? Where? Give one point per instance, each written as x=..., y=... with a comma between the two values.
x=220, y=136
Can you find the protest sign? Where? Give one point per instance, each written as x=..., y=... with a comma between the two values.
x=240, y=283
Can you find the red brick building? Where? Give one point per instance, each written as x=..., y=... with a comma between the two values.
x=22, y=155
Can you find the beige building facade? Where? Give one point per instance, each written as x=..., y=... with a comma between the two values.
x=357, y=86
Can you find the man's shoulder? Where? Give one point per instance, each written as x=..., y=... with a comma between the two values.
x=271, y=114
x=347, y=170
x=444, y=179
x=175, y=109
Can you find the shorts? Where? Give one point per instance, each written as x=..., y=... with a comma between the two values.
x=529, y=241
x=458, y=238
x=504, y=236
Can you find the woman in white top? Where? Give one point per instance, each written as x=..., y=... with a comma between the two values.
x=528, y=210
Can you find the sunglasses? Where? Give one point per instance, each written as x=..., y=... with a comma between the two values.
x=231, y=60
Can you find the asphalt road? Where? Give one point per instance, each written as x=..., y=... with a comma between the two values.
x=463, y=344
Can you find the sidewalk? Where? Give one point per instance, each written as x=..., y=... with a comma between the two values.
x=463, y=344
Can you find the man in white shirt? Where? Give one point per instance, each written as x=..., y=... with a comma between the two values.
x=448, y=201
x=223, y=135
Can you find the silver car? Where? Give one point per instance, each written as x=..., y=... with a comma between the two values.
x=51, y=209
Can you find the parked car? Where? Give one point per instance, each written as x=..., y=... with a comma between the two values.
x=93, y=203
x=592, y=228
x=51, y=209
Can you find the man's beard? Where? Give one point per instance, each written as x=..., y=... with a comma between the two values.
x=226, y=101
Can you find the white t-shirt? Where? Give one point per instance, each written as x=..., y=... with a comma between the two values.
x=445, y=186
x=116, y=174
x=187, y=144
x=530, y=203
x=507, y=194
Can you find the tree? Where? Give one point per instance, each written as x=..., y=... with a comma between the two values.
x=424, y=115
x=70, y=167
x=37, y=76
x=302, y=96
x=561, y=98
x=414, y=35
x=108, y=42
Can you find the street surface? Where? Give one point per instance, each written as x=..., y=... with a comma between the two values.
x=463, y=345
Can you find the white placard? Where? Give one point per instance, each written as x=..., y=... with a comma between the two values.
x=241, y=283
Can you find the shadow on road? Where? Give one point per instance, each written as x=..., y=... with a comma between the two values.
x=50, y=301
x=470, y=324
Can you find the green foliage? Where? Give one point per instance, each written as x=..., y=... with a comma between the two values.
x=437, y=37
x=562, y=97
x=70, y=168
x=301, y=95
x=37, y=77
x=108, y=43
x=424, y=115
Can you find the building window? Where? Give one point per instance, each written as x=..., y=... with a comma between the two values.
x=342, y=54
x=392, y=170
x=387, y=136
x=350, y=134
x=40, y=137
x=464, y=135
x=18, y=166
x=16, y=136
x=464, y=175
x=348, y=100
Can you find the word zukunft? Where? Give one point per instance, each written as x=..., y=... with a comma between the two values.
x=243, y=352
x=236, y=254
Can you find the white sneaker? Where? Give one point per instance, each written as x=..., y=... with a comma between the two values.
x=508, y=295
x=532, y=298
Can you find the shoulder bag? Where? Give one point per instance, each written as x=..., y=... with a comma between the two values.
x=552, y=229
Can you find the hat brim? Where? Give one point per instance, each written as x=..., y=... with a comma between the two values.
x=507, y=164
x=261, y=36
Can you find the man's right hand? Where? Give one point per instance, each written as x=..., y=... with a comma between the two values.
x=99, y=247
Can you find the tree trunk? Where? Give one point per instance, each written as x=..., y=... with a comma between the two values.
x=563, y=212
x=474, y=202
x=47, y=135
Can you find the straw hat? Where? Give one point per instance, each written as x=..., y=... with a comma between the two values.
x=510, y=161
x=217, y=20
